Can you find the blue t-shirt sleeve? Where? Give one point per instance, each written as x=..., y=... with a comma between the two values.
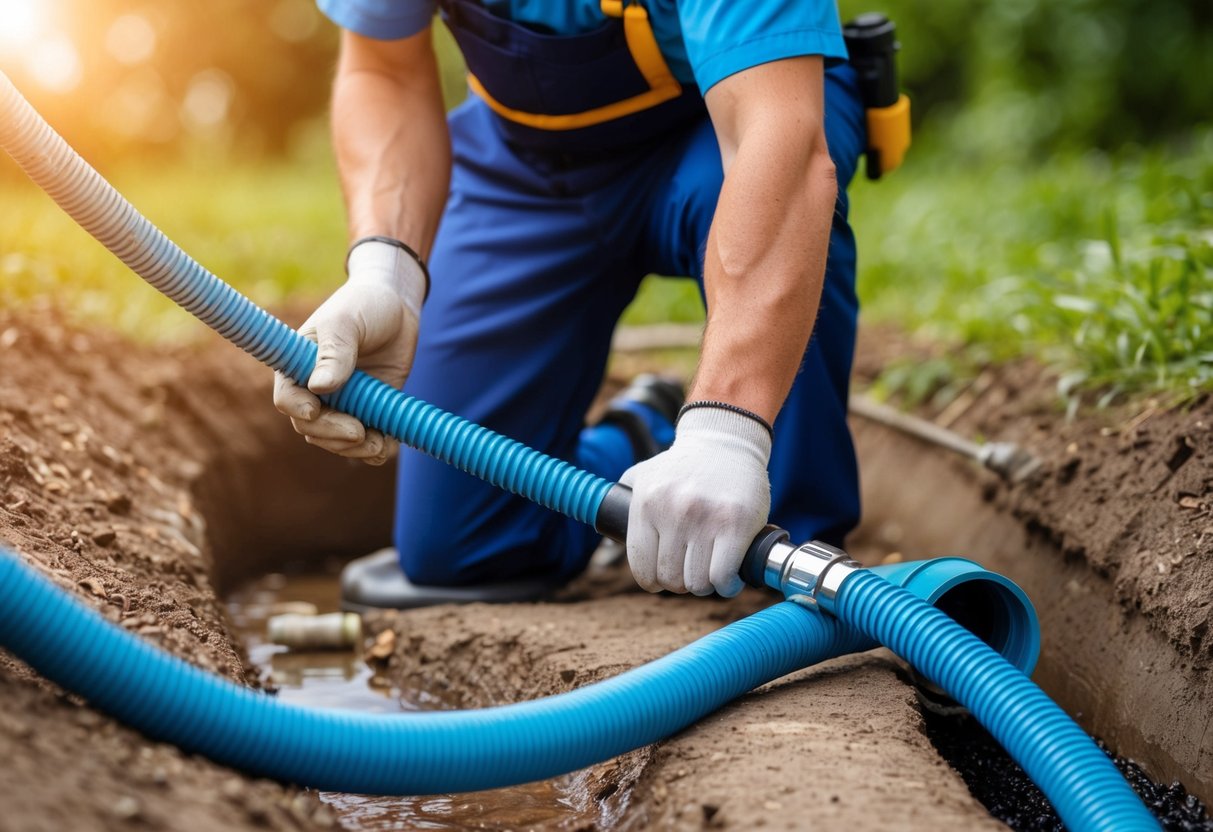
x=724, y=37
x=380, y=19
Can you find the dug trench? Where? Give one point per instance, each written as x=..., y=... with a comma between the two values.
x=153, y=482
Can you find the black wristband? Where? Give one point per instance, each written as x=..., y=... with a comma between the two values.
x=400, y=244
x=732, y=408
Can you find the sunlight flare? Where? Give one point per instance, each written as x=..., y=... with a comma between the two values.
x=21, y=22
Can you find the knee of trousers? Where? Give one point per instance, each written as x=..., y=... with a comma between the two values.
x=506, y=539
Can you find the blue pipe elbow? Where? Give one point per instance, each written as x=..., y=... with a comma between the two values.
x=985, y=603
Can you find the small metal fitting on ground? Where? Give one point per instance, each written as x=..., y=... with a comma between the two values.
x=814, y=570
x=1008, y=460
x=331, y=631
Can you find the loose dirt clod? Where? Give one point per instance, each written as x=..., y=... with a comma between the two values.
x=383, y=646
x=93, y=585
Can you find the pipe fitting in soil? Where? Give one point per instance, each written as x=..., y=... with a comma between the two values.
x=331, y=631
x=987, y=604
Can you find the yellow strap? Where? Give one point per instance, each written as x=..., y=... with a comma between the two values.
x=646, y=53
x=642, y=44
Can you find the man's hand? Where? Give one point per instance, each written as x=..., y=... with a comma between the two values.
x=370, y=323
x=394, y=155
x=696, y=507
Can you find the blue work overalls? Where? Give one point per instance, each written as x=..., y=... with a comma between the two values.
x=545, y=238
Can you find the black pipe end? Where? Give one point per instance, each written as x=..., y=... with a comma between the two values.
x=612, y=519
x=753, y=567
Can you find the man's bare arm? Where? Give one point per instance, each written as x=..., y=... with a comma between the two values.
x=390, y=135
x=696, y=507
x=766, y=253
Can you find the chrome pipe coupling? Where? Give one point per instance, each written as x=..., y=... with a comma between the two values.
x=813, y=571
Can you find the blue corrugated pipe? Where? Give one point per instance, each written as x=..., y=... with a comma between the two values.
x=1078, y=778
x=169, y=699
x=405, y=753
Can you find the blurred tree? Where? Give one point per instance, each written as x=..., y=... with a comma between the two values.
x=1005, y=78
x=1011, y=77
x=125, y=77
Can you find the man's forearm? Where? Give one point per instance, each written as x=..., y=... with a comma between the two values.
x=391, y=140
x=766, y=253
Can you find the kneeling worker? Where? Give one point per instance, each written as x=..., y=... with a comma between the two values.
x=603, y=140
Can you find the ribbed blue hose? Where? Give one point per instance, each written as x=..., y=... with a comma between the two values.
x=1079, y=779
x=171, y=700
x=480, y=749
x=103, y=212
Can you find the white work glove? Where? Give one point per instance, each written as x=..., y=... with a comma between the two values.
x=697, y=506
x=370, y=323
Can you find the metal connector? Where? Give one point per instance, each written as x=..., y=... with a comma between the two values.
x=814, y=571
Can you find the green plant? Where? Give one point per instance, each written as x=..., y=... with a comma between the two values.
x=1101, y=267
x=276, y=231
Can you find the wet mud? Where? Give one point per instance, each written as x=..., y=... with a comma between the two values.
x=352, y=679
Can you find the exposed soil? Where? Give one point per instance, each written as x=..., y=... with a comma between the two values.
x=844, y=738
x=111, y=461
x=94, y=481
x=143, y=481
x=1127, y=489
x=1112, y=539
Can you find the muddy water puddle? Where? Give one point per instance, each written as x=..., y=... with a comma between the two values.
x=341, y=679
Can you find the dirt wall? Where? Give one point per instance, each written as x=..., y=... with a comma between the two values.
x=113, y=463
x=1112, y=540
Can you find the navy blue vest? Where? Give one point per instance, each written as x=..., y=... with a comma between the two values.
x=558, y=92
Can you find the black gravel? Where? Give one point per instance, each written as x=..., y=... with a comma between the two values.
x=1002, y=787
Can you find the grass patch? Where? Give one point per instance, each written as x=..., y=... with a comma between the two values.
x=664, y=299
x=273, y=231
x=1102, y=268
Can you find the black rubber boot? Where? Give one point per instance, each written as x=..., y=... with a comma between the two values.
x=377, y=582
x=661, y=394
